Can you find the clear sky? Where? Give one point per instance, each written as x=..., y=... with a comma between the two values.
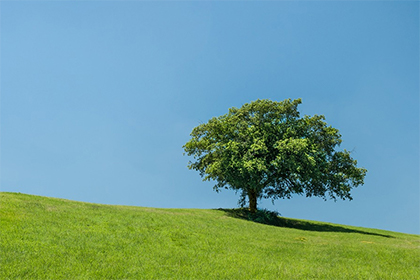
x=98, y=97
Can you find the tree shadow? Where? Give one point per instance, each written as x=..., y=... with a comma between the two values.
x=273, y=219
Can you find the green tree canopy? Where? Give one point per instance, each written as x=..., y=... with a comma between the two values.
x=266, y=150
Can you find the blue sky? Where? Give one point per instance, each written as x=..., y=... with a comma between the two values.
x=98, y=97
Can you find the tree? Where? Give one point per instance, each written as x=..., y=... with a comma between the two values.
x=266, y=150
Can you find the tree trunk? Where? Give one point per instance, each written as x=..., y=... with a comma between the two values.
x=252, y=195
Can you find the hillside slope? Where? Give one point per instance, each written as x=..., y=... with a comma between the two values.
x=48, y=238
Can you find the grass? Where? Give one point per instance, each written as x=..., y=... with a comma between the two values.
x=48, y=238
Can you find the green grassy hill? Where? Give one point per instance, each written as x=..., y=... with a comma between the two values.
x=48, y=238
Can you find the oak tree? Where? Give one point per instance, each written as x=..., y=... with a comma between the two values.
x=266, y=150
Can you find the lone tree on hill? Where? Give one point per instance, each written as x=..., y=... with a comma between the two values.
x=266, y=150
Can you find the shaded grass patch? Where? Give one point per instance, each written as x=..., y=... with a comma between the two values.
x=273, y=218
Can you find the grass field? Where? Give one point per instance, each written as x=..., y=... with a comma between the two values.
x=48, y=238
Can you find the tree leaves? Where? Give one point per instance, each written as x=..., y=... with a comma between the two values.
x=265, y=148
